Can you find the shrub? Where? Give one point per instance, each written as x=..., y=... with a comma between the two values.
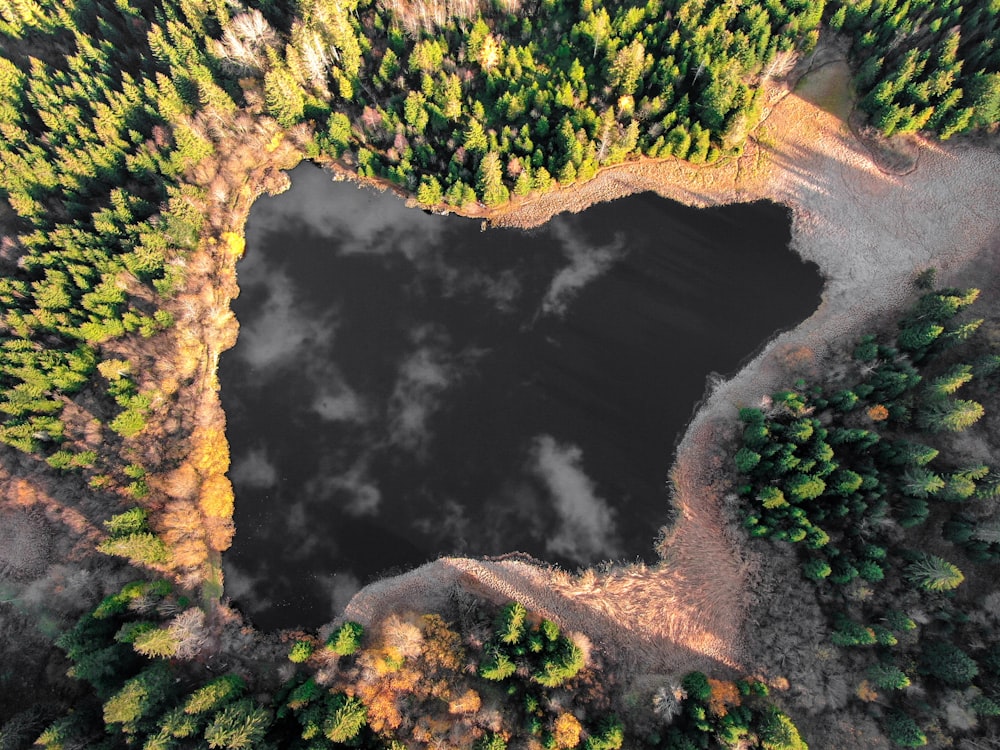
x=867, y=349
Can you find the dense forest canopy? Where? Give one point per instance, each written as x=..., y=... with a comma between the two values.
x=105, y=106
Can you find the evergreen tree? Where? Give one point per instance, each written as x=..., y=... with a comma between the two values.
x=489, y=180
x=933, y=573
x=346, y=639
x=239, y=726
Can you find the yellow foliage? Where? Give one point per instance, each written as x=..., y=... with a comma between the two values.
x=113, y=369
x=211, y=451
x=275, y=142
x=567, y=731
x=489, y=56
x=383, y=661
x=235, y=243
x=216, y=498
x=725, y=694
x=626, y=104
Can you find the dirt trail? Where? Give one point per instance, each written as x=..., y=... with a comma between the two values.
x=869, y=232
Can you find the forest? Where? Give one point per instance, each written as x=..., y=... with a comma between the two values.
x=864, y=479
x=108, y=112
x=106, y=108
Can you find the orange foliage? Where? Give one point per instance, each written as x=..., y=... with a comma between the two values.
x=567, y=731
x=724, y=695
x=380, y=701
x=468, y=702
x=432, y=729
x=866, y=692
x=220, y=533
x=878, y=413
x=442, y=646
x=182, y=483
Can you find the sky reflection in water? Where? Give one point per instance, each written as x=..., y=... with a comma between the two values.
x=406, y=386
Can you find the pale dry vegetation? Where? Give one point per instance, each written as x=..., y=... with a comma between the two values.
x=426, y=15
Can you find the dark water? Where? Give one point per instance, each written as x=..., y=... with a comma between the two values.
x=406, y=386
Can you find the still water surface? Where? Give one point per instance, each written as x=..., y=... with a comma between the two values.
x=406, y=386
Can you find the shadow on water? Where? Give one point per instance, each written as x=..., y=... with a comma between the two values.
x=406, y=386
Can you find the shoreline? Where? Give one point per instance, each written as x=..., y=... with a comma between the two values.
x=850, y=218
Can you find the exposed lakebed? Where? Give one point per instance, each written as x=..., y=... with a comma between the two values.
x=406, y=385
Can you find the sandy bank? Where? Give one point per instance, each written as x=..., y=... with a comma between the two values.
x=869, y=232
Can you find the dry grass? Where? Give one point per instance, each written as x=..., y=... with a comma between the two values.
x=870, y=232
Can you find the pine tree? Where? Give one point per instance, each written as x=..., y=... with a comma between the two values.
x=429, y=193
x=139, y=698
x=284, y=96
x=953, y=415
x=215, y=694
x=489, y=180
x=903, y=730
x=948, y=663
x=346, y=719
x=346, y=639
x=510, y=626
x=240, y=726
x=933, y=573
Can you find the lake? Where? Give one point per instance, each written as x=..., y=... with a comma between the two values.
x=407, y=385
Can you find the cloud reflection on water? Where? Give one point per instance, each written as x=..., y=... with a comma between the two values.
x=361, y=220
x=586, y=529
x=254, y=469
x=586, y=263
